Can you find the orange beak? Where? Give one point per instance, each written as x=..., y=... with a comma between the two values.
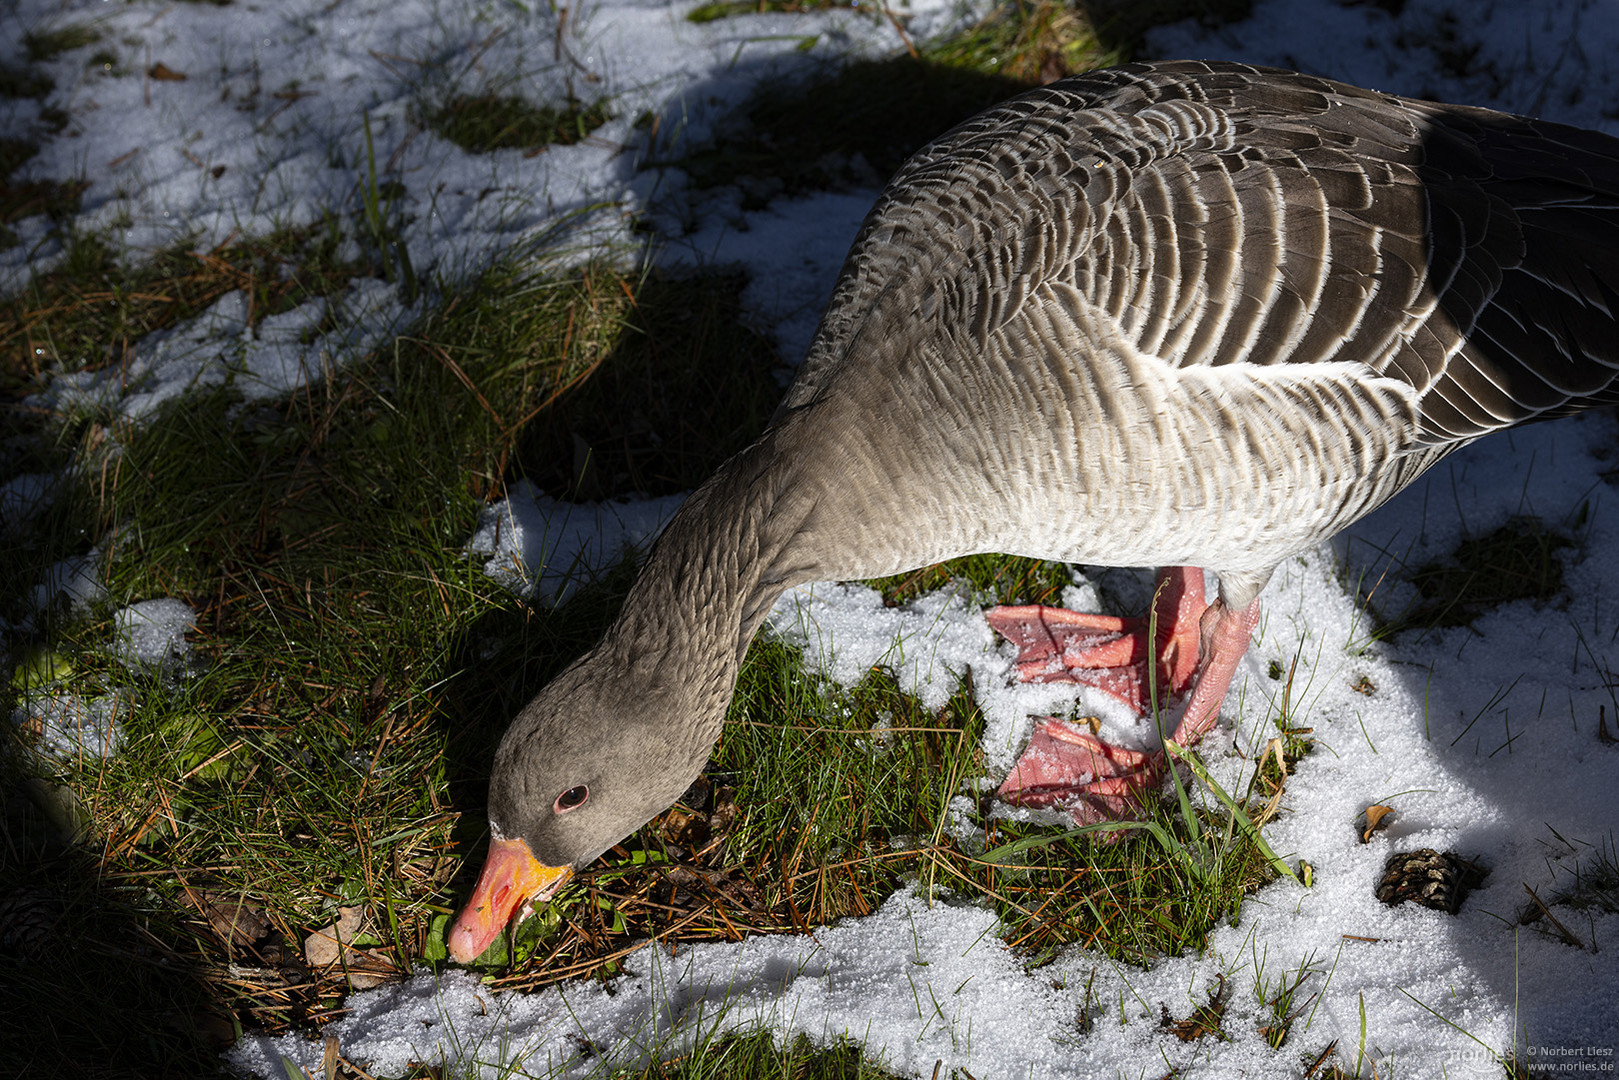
x=511, y=876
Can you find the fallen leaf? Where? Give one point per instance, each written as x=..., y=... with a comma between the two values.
x=325, y=945
x=676, y=822
x=1275, y=803
x=1205, y=1019
x=691, y=831
x=1568, y=936
x=235, y=923
x=725, y=812
x=330, y=944
x=163, y=73
x=1377, y=817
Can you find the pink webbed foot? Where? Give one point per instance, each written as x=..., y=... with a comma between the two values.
x=1068, y=766
x=1108, y=652
x=1093, y=780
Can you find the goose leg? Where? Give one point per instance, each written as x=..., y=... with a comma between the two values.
x=1110, y=653
x=1097, y=781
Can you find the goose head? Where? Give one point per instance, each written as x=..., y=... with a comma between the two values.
x=597, y=754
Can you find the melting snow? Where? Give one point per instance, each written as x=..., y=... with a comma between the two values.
x=152, y=634
x=72, y=727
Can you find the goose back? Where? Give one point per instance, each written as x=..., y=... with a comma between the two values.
x=1221, y=214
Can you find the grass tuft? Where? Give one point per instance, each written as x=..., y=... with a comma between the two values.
x=854, y=126
x=1031, y=42
x=1285, y=1000
x=745, y=1057
x=1592, y=891
x=24, y=82
x=1517, y=561
x=56, y=199
x=484, y=123
x=851, y=128
x=1001, y=579
x=49, y=44
x=724, y=9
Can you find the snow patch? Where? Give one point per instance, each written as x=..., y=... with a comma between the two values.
x=71, y=727
x=152, y=634
x=545, y=549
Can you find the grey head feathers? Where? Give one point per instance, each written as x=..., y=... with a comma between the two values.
x=619, y=738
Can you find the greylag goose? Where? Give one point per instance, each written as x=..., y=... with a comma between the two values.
x=1196, y=315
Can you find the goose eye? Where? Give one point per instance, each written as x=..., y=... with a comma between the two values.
x=572, y=799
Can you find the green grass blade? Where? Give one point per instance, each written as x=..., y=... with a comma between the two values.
x=1180, y=753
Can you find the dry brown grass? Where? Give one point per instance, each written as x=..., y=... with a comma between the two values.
x=91, y=311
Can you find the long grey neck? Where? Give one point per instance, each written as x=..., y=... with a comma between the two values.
x=830, y=491
x=712, y=577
